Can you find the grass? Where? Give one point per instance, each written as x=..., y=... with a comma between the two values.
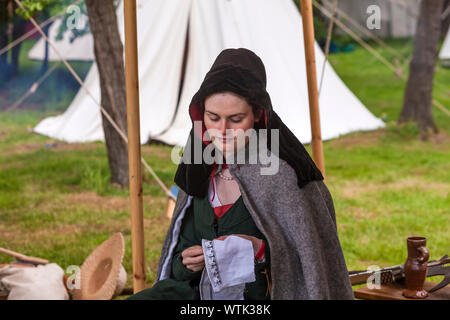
x=56, y=201
x=379, y=89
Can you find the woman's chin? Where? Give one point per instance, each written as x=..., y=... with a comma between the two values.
x=229, y=148
x=223, y=147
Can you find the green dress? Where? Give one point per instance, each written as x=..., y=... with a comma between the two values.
x=201, y=223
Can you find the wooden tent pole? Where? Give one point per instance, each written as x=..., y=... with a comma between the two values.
x=308, y=35
x=134, y=145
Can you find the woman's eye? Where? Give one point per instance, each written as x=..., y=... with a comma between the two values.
x=236, y=120
x=214, y=119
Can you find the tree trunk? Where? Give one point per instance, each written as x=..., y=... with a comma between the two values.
x=417, y=102
x=109, y=58
x=46, y=29
x=4, y=20
x=18, y=31
x=445, y=27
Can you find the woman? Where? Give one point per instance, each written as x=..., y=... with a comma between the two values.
x=284, y=219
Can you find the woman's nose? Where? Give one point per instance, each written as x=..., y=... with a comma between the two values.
x=223, y=127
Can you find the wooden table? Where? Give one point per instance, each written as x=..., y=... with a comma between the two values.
x=394, y=292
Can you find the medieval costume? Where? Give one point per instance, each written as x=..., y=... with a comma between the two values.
x=291, y=211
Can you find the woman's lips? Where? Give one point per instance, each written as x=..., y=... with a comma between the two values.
x=224, y=140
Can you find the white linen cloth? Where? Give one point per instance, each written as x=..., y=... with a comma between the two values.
x=229, y=265
x=44, y=282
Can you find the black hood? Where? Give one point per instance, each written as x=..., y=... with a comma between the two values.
x=242, y=72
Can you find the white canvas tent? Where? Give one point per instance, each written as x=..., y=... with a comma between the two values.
x=444, y=54
x=81, y=48
x=271, y=28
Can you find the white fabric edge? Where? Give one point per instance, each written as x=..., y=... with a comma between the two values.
x=166, y=268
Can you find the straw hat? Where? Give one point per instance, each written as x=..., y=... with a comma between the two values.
x=121, y=281
x=99, y=273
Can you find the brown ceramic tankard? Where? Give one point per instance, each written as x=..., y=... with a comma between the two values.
x=415, y=268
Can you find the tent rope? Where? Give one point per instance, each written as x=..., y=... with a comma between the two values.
x=375, y=53
x=404, y=6
x=34, y=30
x=364, y=31
x=403, y=60
x=414, y=15
x=33, y=88
x=105, y=113
x=327, y=46
x=358, y=39
x=446, y=13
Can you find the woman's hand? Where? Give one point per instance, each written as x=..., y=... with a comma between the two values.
x=257, y=243
x=193, y=258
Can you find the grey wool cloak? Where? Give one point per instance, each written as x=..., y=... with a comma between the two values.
x=292, y=208
x=300, y=226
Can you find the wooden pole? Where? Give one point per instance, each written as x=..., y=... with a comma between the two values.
x=134, y=145
x=308, y=36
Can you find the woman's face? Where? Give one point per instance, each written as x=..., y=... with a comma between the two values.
x=227, y=111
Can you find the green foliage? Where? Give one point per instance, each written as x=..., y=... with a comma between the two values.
x=51, y=7
x=34, y=6
x=320, y=28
